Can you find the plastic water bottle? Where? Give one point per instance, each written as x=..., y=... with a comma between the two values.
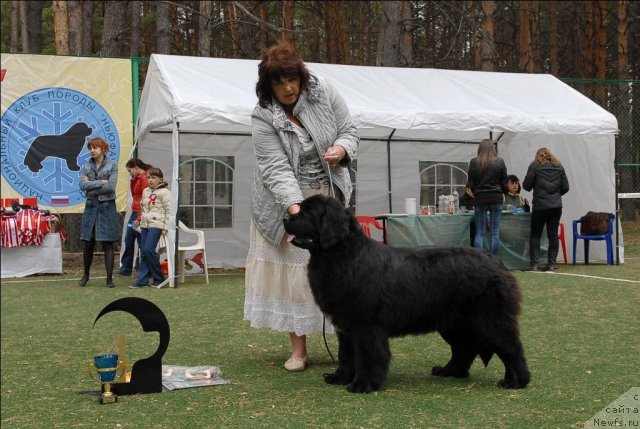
x=456, y=201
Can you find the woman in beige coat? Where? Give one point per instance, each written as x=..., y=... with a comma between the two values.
x=153, y=222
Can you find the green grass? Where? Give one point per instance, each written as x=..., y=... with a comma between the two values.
x=580, y=335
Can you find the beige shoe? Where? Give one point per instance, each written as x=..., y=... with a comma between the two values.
x=295, y=364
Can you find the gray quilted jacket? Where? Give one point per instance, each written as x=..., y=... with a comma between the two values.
x=325, y=115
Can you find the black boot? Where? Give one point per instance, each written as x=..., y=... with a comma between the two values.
x=551, y=260
x=87, y=260
x=108, y=263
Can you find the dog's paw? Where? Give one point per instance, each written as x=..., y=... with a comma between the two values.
x=362, y=387
x=510, y=384
x=336, y=378
x=443, y=371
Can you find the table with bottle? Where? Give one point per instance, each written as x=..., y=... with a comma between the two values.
x=457, y=229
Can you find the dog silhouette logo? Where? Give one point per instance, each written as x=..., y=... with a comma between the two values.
x=44, y=136
x=66, y=146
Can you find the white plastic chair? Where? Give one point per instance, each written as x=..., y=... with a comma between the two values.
x=200, y=245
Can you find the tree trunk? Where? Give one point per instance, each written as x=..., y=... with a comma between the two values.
x=553, y=37
x=134, y=45
x=87, y=28
x=34, y=26
x=600, y=16
x=623, y=40
x=61, y=26
x=579, y=42
x=74, y=10
x=487, y=50
x=287, y=21
x=115, y=23
x=534, y=28
x=23, y=8
x=526, y=56
x=230, y=17
x=163, y=31
x=204, y=28
x=392, y=38
x=589, y=25
x=13, y=43
x=362, y=37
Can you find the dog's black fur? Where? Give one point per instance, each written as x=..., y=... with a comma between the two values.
x=66, y=146
x=373, y=292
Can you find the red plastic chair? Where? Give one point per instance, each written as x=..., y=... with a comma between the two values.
x=561, y=238
x=367, y=222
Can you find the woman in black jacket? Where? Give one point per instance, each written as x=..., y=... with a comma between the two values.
x=549, y=182
x=487, y=176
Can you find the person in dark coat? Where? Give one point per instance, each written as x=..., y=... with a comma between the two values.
x=548, y=180
x=100, y=220
x=487, y=177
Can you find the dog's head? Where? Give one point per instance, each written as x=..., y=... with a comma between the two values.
x=321, y=223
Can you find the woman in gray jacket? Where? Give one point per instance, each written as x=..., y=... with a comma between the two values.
x=304, y=141
x=549, y=182
x=100, y=220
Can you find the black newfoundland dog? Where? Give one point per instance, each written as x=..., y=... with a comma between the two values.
x=373, y=292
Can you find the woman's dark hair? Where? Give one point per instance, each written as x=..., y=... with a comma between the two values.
x=137, y=162
x=279, y=61
x=514, y=179
x=155, y=172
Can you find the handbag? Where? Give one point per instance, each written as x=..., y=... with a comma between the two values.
x=595, y=223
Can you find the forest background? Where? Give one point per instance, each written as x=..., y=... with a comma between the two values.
x=593, y=46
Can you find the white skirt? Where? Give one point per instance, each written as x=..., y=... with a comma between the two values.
x=277, y=292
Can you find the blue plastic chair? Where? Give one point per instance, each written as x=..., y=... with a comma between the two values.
x=587, y=239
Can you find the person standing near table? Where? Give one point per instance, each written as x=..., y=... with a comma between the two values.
x=100, y=220
x=138, y=172
x=487, y=177
x=548, y=180
x=304, y=141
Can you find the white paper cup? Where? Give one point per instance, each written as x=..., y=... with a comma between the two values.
x=410, y=206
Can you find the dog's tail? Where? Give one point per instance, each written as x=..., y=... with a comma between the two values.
x=486, y=356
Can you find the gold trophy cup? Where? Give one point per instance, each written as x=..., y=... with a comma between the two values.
x=106, y=367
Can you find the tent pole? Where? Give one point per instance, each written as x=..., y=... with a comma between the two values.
x=617, y=208
x=389, y=168
x=176, y=252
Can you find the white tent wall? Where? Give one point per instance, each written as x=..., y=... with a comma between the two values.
x=226, y=247
x=426, y=110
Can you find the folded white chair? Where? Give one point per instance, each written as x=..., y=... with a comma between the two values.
x=200, y=245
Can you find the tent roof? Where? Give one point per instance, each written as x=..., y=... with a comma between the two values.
x=218, y=94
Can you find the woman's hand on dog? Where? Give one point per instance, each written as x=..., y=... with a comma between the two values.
x=293, y=209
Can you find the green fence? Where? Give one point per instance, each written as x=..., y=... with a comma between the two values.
x=621, y=98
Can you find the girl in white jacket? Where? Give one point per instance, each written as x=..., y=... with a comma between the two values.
x=153, y=222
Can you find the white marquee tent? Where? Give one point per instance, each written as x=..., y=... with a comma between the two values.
x=202, y=106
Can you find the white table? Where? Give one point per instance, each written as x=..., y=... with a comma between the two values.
x=27, y=260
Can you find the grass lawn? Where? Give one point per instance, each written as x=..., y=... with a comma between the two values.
x=580, y=329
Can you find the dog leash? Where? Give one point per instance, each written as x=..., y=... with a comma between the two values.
x=324, y=318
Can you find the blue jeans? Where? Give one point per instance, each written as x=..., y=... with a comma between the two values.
x=495, y=211
x=149, y=258
x=130, y=238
